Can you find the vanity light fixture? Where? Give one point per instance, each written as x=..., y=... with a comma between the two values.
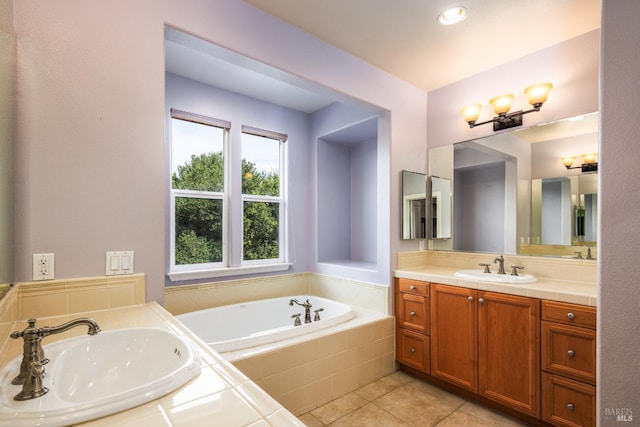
x=453, y=15
x=536, y=94
x=590, y=163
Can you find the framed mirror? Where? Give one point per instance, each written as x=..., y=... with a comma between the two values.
x=498, y=181
x=440, y=208
x=414, y=205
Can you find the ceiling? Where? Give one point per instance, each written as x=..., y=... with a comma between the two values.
x=403, y=38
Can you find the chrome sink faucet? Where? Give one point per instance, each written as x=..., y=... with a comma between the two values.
x=33, y=359
x=501, y=267
x=307, y=309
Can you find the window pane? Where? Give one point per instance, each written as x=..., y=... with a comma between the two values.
x=198, y=230
x=261, y=230
x=260, y=165
x=196, y=156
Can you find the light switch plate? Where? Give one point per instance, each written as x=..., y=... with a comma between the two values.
x=119, y=263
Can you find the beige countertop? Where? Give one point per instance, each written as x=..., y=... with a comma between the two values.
x=584, y=293
x=220, y=395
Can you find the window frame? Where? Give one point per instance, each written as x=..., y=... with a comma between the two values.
x=229, y=266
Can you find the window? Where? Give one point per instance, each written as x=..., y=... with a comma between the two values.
x=204, y=213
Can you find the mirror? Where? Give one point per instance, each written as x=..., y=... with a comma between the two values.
x=7, y=132
x=512, y=193
x=414, y=205
x=440, y=208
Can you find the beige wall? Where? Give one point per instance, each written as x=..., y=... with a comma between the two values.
x=619, y=238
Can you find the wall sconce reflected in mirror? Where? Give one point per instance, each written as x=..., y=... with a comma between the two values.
x=590, y=163
x=536, y=94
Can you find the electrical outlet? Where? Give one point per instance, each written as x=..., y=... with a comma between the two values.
x=43, y=268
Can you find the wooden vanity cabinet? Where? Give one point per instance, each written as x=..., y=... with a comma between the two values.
x=413, y=321
x=487, y=343
x=569, y=364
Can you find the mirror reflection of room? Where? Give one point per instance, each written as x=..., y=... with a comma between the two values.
x=517, y=191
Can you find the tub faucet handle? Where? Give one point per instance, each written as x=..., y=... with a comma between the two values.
x=296, y=322
x=317, y=316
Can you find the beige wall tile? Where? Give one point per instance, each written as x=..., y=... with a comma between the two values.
x=88, y=300
x=44, y=305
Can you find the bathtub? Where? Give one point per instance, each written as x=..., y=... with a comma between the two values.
x=250, y=324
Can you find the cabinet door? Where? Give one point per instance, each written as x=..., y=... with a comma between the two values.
x=509, y=350
x=414, y=312
x=567, y=402
x=413, y=350
x=454, y=340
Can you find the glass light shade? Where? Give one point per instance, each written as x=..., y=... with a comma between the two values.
x=568, y=161
x=537, y=94
x=501, y=104
x=452, y=15
x=590, y=158
x=471, y=112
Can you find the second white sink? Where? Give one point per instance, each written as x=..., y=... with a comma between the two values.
x=494, y=277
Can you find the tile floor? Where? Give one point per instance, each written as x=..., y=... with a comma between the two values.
x=401, y=400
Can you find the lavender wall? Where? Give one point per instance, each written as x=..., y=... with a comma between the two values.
x=90, y=147
x=619, y=204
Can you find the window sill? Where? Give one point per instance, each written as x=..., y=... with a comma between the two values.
x=224, y=272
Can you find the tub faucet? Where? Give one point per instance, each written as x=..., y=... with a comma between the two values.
x=501, y=267
x=307, y=309
x=33, y=358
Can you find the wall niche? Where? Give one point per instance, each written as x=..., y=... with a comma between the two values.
x=347, y=170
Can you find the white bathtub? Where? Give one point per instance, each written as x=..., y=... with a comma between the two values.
x=249, y=324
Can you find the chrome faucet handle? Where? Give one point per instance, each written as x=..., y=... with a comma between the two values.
x=317, y=316
x=486, y=267
x=515, y=268
x=296, y=322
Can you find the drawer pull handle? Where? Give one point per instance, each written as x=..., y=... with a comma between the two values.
x=470, y=299
x=412, y=314
x=571, y=316
x=413, y=288
x=571, y=353
x=571, y=406
x=481, y=300
x=413, y=350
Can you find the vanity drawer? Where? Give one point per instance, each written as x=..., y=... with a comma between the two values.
x=569, y=314
x=414, y=312
x=569, y=351
x=568, y=403
x=417, y=287
x=414, y=350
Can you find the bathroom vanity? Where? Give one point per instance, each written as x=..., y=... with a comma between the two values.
x=528, y=348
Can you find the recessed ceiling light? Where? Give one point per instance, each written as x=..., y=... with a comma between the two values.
x=452, y=15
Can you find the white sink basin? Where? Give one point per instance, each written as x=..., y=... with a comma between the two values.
x=93, y=376
x=494, y=277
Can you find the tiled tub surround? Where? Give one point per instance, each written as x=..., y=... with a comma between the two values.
x=566, y=280
x=305, y=372
x=220, y=395
x=187, y=298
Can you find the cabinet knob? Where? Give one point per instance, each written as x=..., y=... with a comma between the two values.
x=413, y=350
x=481, y=300
x=571, y=406
x=470, y=299
x=571, y=353
x=413, y=288
x=571, y=315
x=412, y=314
